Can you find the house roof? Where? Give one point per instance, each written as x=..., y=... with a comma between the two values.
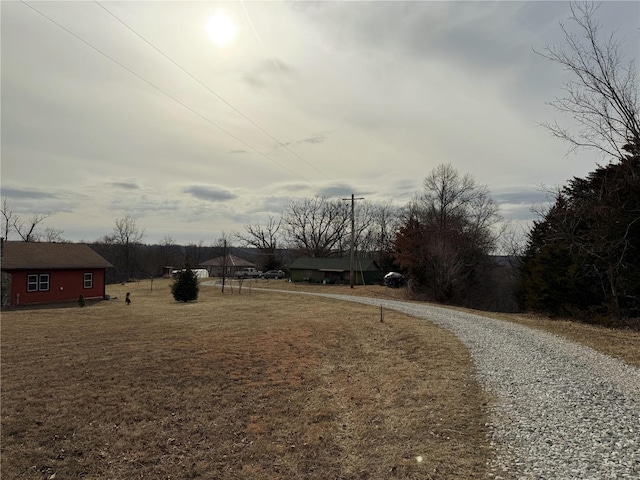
x=339, y=264
x=44, y=255
x=232, y=261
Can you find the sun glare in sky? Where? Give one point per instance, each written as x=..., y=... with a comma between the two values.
x=221, y=29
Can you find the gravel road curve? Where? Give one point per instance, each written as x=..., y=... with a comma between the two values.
x=563, y=410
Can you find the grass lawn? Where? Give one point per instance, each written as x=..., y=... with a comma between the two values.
x=257, y=385
x=623, y=344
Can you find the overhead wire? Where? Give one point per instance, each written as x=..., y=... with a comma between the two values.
x=193, y=77
x=274, y=62
x=161, y=90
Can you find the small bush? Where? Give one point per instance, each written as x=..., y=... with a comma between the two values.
x=185, y=288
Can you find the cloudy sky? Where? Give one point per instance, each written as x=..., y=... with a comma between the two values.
x=197, y=118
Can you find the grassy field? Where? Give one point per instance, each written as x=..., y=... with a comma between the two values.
x=257, y=385
x=623, y=344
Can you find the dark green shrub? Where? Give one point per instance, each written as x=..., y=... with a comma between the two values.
x=185, y=288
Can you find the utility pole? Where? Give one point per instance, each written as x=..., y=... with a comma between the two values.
x=225, y=259
x=352, y=276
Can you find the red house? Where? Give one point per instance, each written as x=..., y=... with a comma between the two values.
x=38, y=272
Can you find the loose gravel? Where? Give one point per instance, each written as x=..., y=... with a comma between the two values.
x=563, y=410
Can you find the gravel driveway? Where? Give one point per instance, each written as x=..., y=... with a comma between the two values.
x=562, y=411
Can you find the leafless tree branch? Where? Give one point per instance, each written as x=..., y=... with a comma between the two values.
x=603, y=95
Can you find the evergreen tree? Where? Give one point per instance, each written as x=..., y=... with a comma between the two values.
x=584, y=255
x=185, y=288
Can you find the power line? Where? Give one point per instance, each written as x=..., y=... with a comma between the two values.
x=282, y=144
x=161, y=90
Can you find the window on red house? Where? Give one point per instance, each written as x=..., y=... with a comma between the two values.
x=38, y=283
x=43, y=284
x=88, y=280
x=32, y=283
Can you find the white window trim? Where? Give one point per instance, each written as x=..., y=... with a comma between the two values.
x=88, y=279
x=32, y=283
x=41, y=281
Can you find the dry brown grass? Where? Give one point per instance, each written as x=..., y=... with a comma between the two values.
x=260, y=385
x=623, y=344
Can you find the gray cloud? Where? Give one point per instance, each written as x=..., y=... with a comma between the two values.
x=210, y=193
x=473, y=33
x=29, y=201
x=314, y=139
x=145, y=204
x=518, y=212
x=126, y=185
x=27, y=194
x=341, y=190
x=266, y=71
x=521, y=204
x=486, y=40
x=294, y=187
x=406, y=188
x=270, y=205
x=521, y=197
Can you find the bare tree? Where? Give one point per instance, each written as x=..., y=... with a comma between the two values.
x=168, y=249
x=602, y=96
x=449, y=196
x=266, y=239
x=375, y=228
x=26, y=230
x=447, y=235
x=386, y=223
x=7, y=215
x=316, y=226
x=364, y=221
x=263, y=238
x=222, y=249
x=150, y=262
x=127, y=236
x=51, y=235
x=194, y=254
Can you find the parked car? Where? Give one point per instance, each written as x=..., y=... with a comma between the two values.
x=273, y=274
x=249, y=272
x=394, y=280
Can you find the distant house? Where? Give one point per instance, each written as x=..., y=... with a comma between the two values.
x=198, y=272
x=39, y=272
x=334, y=270
x=230, y=263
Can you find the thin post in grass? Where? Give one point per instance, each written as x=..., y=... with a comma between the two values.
x=381, y=315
